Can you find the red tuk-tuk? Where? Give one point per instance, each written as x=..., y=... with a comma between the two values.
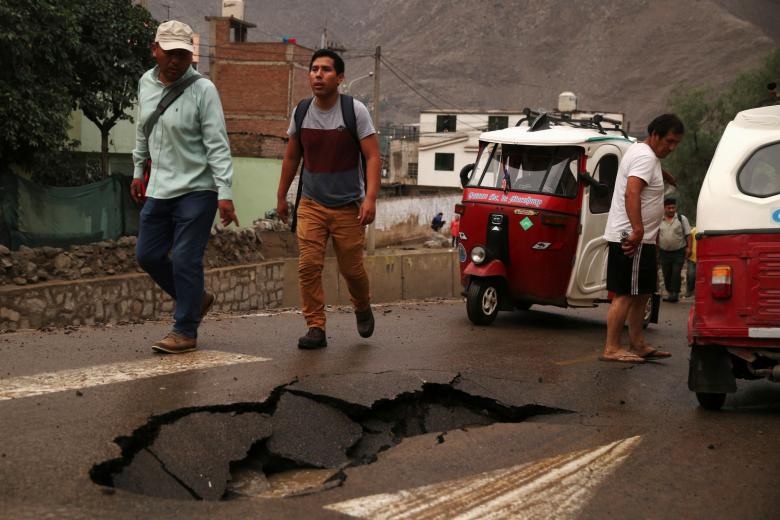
x=533, y=214
x=734, y=324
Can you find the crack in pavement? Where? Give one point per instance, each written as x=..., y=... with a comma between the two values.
x=298, y=441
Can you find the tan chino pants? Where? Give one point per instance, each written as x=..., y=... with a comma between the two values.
x=315, y=224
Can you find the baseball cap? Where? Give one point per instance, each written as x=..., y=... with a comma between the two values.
x=174, y=34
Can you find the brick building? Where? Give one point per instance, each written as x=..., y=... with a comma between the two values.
x=259, y=84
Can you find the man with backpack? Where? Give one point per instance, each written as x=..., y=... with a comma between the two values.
x=181, y=127
x=674, y=247
x=337, y=192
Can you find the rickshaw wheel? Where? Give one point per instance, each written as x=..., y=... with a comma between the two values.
x=482, y=301
x=711, y=401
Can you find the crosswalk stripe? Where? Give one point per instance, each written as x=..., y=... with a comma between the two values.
x=77, y=378
x=557, y=487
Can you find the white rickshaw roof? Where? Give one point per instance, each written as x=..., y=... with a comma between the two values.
x=559, y=135
x=722, y=206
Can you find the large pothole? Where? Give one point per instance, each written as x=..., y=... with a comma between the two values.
x=297, y=441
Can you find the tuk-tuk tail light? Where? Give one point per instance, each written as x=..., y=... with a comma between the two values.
x=720, y=283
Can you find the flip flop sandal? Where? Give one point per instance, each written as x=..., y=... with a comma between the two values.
x=655, y=354
x=623, y=358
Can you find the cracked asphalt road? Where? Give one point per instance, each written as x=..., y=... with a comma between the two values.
x=685, y=462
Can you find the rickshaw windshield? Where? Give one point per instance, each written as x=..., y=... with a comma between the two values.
x=551, y=170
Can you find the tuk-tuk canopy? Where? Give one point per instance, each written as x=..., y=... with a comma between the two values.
x=561, y=135
x=741, y=190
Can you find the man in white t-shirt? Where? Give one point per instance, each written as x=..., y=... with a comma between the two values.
x=632, y=226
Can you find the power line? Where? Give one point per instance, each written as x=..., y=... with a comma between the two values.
x=420, y=85
x=413, y=89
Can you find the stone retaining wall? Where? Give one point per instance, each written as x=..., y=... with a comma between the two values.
x=133, y=297
x=266, y=285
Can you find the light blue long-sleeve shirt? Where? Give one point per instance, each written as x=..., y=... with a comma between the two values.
x=189, y=145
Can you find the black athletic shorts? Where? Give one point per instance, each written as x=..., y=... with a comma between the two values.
x=633, y=275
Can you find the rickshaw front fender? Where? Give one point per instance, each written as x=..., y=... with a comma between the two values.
x=492, y=268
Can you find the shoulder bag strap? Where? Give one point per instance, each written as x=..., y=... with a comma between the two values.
x=166, y=101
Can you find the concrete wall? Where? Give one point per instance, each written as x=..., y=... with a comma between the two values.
x=246, y=288
x=408, y=276
x=409, y=218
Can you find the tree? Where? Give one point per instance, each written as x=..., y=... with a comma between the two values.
x=705, y=117
x=57, y=56
x=37, y=40
x=114, y=52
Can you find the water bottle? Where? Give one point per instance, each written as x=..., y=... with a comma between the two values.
x=623, y=240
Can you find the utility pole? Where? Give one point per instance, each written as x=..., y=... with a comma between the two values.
x=377, y=59
x=371, y=234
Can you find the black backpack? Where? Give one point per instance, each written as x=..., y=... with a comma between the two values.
x=350, y=121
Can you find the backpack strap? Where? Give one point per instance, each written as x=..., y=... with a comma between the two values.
x=166, y=101
x=682, y=228
x=350, y=121
x=300, y=113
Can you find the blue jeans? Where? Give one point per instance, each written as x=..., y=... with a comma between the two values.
x=180, y=226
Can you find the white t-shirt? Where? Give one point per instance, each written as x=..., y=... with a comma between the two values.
x=639, y=161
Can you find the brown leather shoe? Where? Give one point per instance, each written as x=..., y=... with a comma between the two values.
x=206, y=304
x=175, y=343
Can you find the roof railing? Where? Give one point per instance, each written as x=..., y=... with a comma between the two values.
x=541, y=120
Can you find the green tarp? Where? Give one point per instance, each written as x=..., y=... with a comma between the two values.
x=36, y=215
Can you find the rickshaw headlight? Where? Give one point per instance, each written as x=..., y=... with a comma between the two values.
x=720, y=283
x=478, y=255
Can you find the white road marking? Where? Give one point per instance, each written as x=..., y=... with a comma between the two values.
x=557, y=487
x=74, y=379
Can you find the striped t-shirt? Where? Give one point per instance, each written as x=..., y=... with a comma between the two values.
x=332, y=173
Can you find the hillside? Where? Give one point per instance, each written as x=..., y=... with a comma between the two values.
x=617, y=55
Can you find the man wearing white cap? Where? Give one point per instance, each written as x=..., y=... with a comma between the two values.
x=190, y=177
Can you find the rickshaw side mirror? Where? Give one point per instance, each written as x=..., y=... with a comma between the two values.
x=465, y=174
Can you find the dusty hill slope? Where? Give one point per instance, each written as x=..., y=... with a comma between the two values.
x=622, y=55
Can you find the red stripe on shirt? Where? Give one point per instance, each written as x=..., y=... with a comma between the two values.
x=329, y=151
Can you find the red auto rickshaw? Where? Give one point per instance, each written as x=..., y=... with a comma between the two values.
x=734, y=324
x=533, y=214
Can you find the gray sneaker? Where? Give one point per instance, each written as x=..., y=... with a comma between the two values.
x=365, y=322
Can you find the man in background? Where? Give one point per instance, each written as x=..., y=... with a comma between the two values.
x=438, y=221
x=674, y=247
